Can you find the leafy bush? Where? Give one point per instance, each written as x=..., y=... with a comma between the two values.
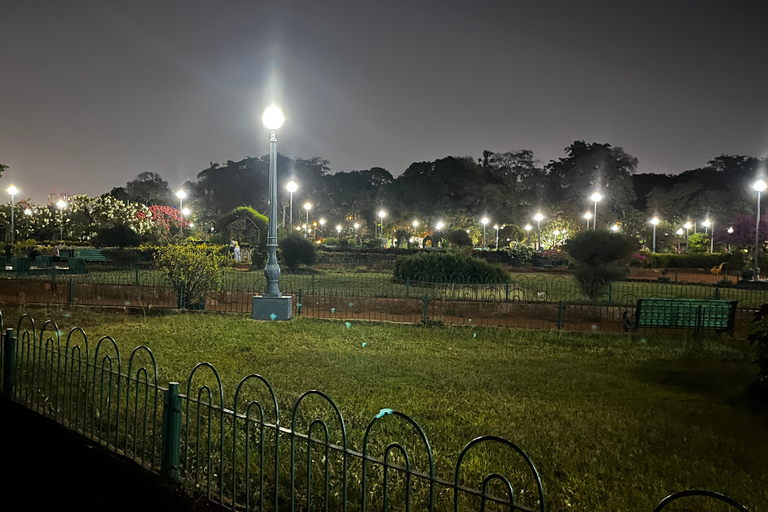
x=459, y=238
x=758, y=334
x=297, y=250
x=129, y=257
x=520, y=252
x=698, y=243
x=120, y=235
x=447, y=265
x=331, y=241
x=599, y=254
x=194, y=267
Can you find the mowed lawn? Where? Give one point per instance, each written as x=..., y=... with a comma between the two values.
x=613, y=422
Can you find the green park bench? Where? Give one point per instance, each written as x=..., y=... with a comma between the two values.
x=697, y=314
x=44, y=261
x=90, y=255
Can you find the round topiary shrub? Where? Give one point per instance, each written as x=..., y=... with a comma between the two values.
x=447, y=266
x=297, y=250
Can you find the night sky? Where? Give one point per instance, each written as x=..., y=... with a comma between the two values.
x=93, y=93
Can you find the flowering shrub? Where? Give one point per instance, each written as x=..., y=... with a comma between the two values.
x=166, y=222
x=637, y=260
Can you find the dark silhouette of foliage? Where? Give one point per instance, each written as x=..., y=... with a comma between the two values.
x=297, y=250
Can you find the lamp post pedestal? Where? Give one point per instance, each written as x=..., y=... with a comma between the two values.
x=272, y=305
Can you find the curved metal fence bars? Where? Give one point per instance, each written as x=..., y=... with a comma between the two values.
x=532, y=301
x=246, y=457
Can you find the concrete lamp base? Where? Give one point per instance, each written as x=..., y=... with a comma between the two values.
x=272, y=308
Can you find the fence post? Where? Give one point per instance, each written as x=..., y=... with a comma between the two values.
x=313, y=284
x=9, y=364
x=506, y=299
x=425, y=312
x=407, y=287
x=171, y=436
x=71, y=295
x=717, y=293
x=298, y=304
x=559, y=315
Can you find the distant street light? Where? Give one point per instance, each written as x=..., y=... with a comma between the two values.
x=382, y=214
x=307, y=206
x=555, y=232
x=496, y=227
x=61, y=204
x=13, y=191
x=484, y=221
x=527, y=229
x=596, y=197
x=588, y=216
x=655, y=222
x=181, y=194
x=291, y=187
x=679, y=234
x=615, y=228
x=357, y=226
x=687, y=227
x=730, y=232
x=185, y=211
x=759, y=187
x=338, y=229
x=322, y=228
x=538, y=218
x=415, y=223
x=708, y=223
x=27, y=211
x=439, y=225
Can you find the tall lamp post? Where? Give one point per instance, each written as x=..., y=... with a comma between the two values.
x=307, y=206
x=322, y=228
x=527, y=229
x=655, y=222
x=588, y=216
x=679, y=234
x=687, y=227
x=496, y=227
x=382, y=214
x=596, y=197
x=13, y=191
x=484, y=221
x=538, y=218
x=61, y=204
x=730, y=232
x=357, y=226
x=708, y=223
x=181, y=194
x=291, y=187
x=272, y=305
x=759, y=187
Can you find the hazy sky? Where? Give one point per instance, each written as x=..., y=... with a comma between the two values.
x=93, y=93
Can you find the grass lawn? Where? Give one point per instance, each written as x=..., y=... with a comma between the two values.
x=613, y=422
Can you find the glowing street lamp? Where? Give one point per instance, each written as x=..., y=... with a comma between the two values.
x=679, y=234
x=556, y=233
x=615, y=228
x=28, y=211
x=292, y=187
x=272, y=305
x=382, y=214
x=595, y=197
x=730, y=232
x=307, y=206
x=415, y=223
x=13, y=191
x=484, y=221
x=357, y=226
x=655, y=222
x=439, y=225
x=527, y=229
x=759, y=187
x=181, y=194
x=496, y=227
x=61, y=204
x=322, y=227
x=708, y=223
x=588, y=216
x=538, y=218
x=687, y=227
x=338, y=229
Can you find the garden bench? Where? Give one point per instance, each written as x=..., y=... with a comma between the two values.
x=698, y=314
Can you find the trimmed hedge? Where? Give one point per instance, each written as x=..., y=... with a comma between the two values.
x=447, y=266
x=733, y=260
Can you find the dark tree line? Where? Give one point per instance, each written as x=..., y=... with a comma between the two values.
x=508, y=187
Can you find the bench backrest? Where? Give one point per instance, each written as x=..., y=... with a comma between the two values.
x=686, y=313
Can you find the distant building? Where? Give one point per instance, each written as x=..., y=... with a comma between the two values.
x=54, y=197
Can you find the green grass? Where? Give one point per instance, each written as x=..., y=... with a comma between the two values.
x=613, y=422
